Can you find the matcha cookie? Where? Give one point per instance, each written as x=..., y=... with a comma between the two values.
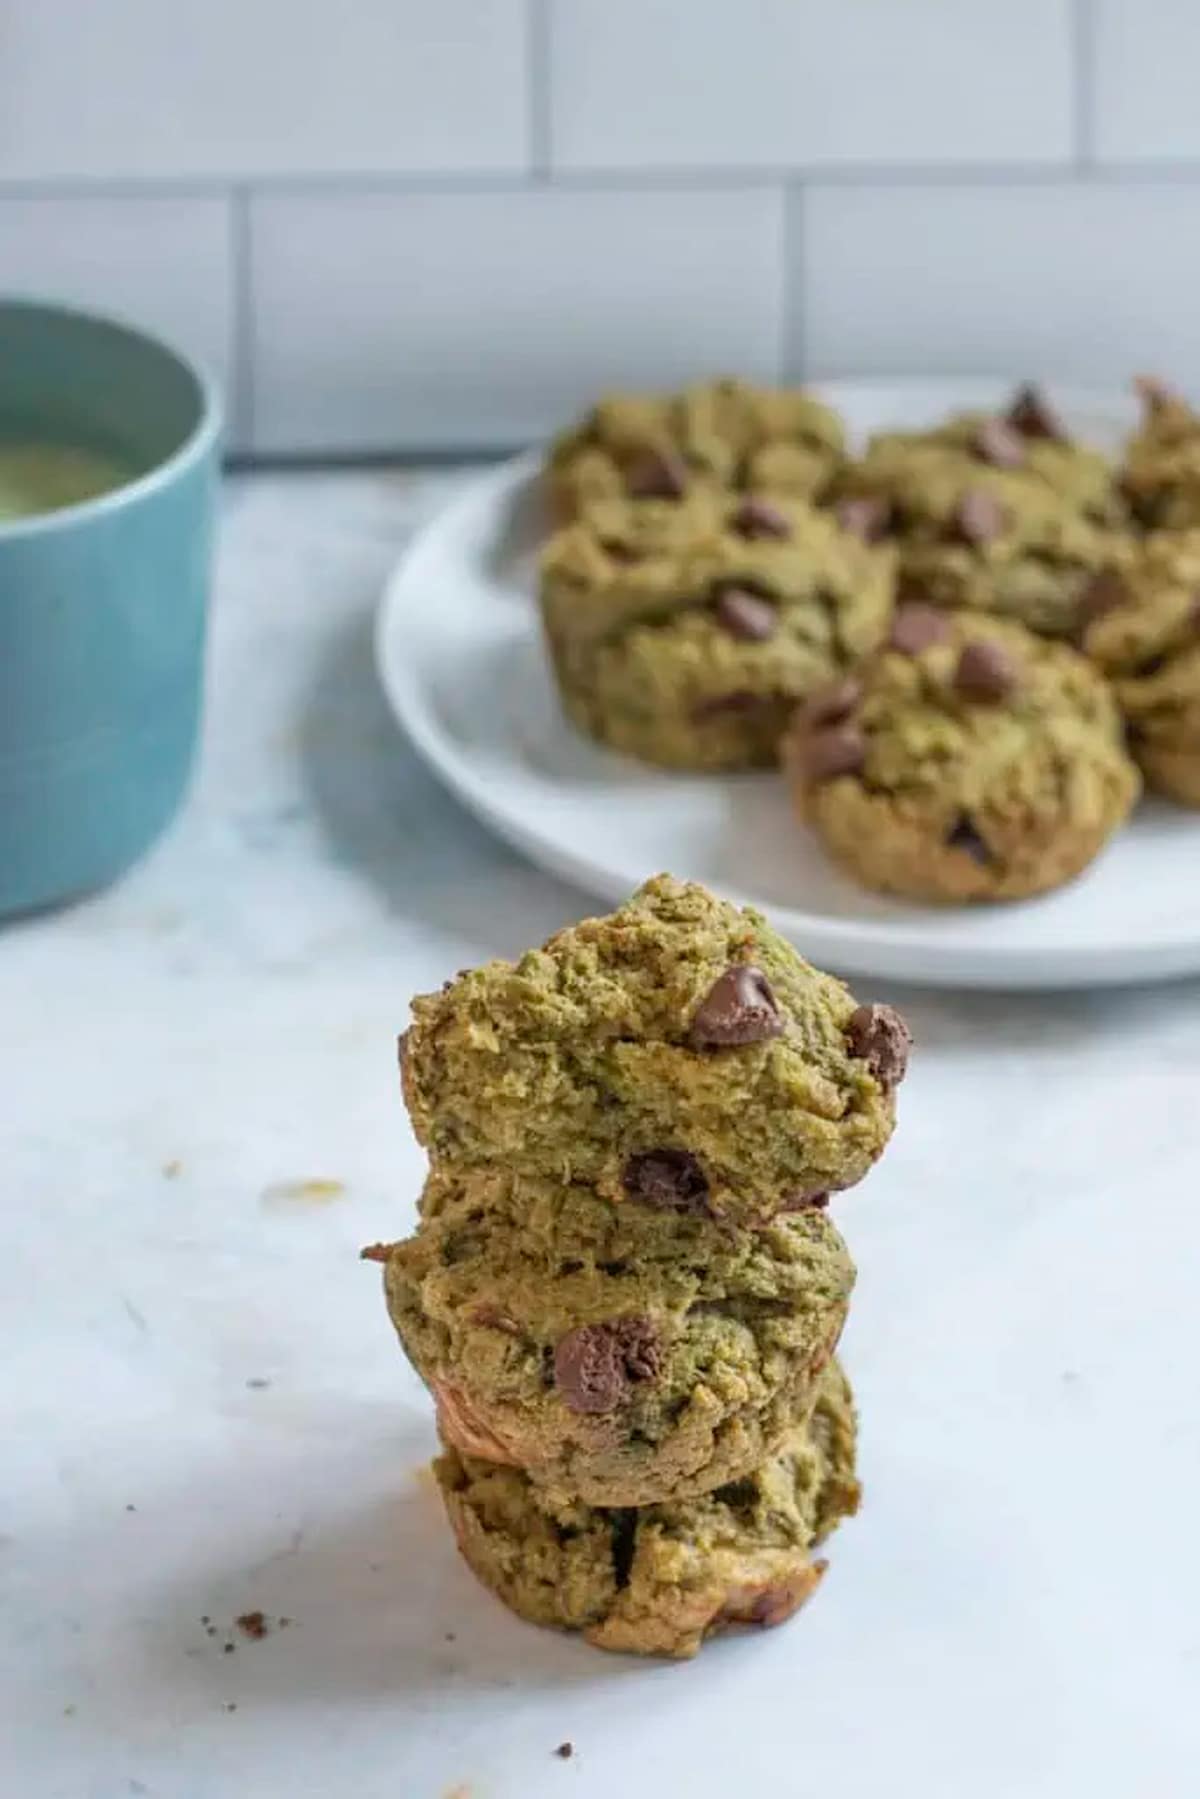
x=619, y=1354
x=978, y=534
x=685, y=635
x=718, y=434
x=658, y=1581
x=971, y=761
x=676, y=1054
x=1028, y=439
x=1143, y=631
x=1161, y=476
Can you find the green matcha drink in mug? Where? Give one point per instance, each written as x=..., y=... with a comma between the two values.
x=108, y=460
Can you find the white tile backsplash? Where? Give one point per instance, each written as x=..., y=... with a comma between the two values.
x=1088, y=282
x=1146, y=54
x=681, y=84
x=261, y=87
x=431, y=320
x=454, y=219
x=162, y=263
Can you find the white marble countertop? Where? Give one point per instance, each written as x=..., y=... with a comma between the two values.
x=204, y=1413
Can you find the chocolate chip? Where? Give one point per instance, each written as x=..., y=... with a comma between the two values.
x=669, y=1180
x=997, y=441
x=880, y=1037
x=805, y=1202
x=867, y=516
x=595, y=1364
x=831, y=705
x=619, y=551
x=1032, y=415
x=916, y=626
x=746, y=615
x=739, y=1008
x=656, y=475
x=962, y=835
x=1104, y=593
x=985, y=671
x=979, y=516
x=840, y=750
x=759, y=518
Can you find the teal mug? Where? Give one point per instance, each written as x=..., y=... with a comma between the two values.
x=103, y=601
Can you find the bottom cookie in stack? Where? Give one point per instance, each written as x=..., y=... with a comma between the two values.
x=660, y=1579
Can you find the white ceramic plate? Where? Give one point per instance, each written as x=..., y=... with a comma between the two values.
x=461, y=660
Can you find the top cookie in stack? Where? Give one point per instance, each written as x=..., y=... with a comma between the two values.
x=677, y=1053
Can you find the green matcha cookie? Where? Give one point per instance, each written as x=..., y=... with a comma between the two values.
x=619, y=1354
x=659, y=1580
x=1161, y=475
x=1028, y=439
x=686, y=634
x=970, y=761
x=718, y=434
x=980, y=532
x=1143, y=631
x=678, y=1033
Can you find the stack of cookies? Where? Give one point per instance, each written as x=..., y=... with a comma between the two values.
x=626, y=1290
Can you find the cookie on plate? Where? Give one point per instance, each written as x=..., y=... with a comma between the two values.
x=678, y=1027
x=659, y=1580
x=1143, y=631
x=685, y=635
x=717, y=434
x=970, y=761
x=1161, y=474
x=1028, y=438
x=977, y=533
x=619, y=1354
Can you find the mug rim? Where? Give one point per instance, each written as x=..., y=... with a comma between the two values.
x=198, y=442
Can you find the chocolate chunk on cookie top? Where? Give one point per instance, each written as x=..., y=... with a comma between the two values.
x=985, y=671
x=739, y=1008
x=678, y=1025
x=880, y=1036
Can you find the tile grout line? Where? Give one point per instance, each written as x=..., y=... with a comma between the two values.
x=242, y=360
x=1083, y=56
x=538, y=27
x=793, y=357
x=1169, y=172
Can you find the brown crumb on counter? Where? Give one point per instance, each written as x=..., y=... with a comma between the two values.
x=375, y=1252
x=565, y=1751
x=172, y=1170
x=253, y=1625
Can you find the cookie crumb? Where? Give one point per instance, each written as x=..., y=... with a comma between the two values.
x=172, y=1170
x=253, y=1625
x=230, y=1705
x=68, y=1711
x=258, y=1383
x=375, y=1252
x=131, y=1508
x=210, y=1630
x=284, y=1623
x=229, y=1648
x=565, y=1751
x=450, y=1637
